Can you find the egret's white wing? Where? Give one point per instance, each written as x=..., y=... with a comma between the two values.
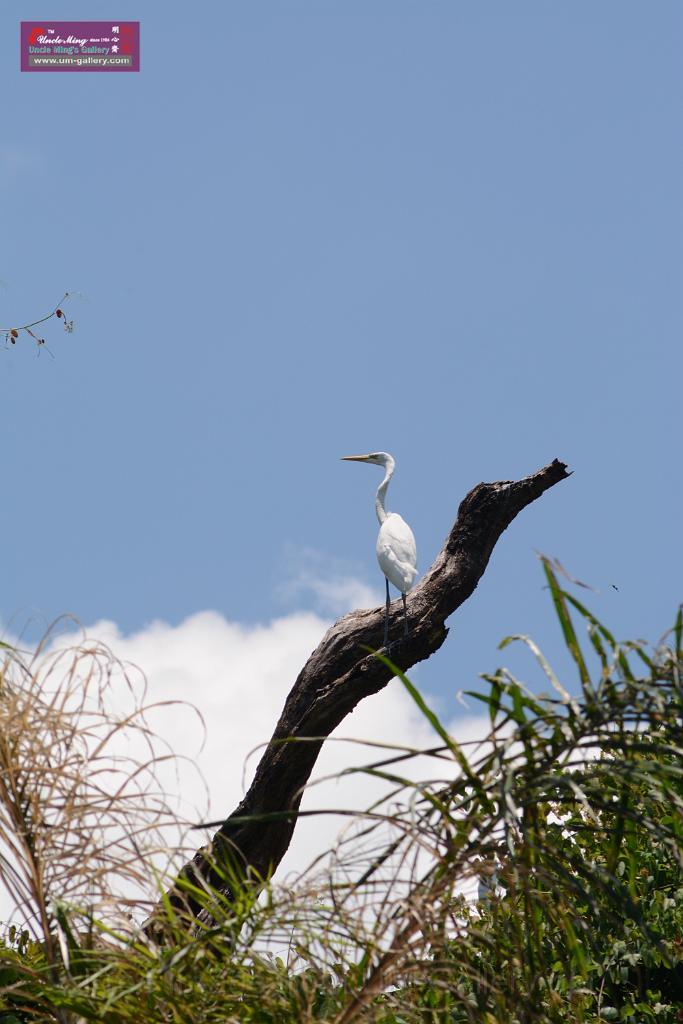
x=396, y=552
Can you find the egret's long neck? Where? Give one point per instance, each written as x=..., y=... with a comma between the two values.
x=380, y=507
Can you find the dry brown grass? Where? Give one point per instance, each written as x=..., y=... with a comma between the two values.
x=84, y=818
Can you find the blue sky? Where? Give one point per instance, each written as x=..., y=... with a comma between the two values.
x=306, y=229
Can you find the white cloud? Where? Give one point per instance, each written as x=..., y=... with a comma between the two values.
x=238, y=676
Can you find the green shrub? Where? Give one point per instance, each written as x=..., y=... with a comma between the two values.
x=570, y=811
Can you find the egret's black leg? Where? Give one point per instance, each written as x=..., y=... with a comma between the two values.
x=405, y=616
x=386, y=616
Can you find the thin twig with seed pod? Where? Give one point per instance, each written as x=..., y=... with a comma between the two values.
x=12, y=333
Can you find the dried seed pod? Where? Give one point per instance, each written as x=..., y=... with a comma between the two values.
x=59, y=312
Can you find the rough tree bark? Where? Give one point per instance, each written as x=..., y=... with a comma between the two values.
x=340, y=673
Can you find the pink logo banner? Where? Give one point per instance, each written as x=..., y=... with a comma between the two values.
x=80, y=45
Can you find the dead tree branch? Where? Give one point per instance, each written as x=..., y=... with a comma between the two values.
x=340, y=673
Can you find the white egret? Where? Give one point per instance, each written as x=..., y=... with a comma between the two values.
x=396, y=551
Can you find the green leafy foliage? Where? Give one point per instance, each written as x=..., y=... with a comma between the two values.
x=533, y=876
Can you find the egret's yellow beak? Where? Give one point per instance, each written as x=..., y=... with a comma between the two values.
x=355, y=458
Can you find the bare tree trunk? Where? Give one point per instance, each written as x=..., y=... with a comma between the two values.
x=340, y=673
